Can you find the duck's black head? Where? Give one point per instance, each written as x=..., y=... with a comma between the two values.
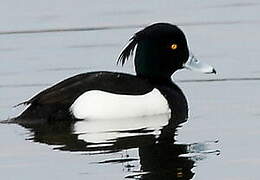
x=161, y=49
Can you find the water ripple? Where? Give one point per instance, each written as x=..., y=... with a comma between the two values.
x=240, y=4
x=24, y=85
x=181, y=81
x=102, y=28
x=220, y=80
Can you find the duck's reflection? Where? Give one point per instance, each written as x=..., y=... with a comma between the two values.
x=162, y=161
x=159, y=155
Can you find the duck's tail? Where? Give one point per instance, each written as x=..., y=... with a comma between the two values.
x=9, y=121
x=25, y=103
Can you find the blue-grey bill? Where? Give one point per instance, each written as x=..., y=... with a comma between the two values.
x=195, y=65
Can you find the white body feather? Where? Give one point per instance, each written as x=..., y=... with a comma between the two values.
x=96, y=104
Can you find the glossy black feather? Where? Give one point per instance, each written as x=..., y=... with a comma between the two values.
x=118, y=83
x=58, y=98
x=127, y=51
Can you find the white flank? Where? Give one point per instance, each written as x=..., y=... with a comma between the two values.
x=98, y=104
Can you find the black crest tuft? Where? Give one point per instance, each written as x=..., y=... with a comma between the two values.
x=127, y=51
x=152, y=32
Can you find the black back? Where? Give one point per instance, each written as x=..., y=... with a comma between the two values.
x=54, y=102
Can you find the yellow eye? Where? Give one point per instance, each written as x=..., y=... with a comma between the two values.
x=174, y=46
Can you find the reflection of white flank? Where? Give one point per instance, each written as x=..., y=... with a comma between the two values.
x=105, y=130
x=98, y=104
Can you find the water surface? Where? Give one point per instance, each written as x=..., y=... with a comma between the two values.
x=44, y=42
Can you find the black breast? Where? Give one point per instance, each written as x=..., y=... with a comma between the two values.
x=175, y=98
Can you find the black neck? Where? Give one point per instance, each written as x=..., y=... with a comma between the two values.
x=165, y=81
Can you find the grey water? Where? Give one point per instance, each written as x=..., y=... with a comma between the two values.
x=43, y=42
